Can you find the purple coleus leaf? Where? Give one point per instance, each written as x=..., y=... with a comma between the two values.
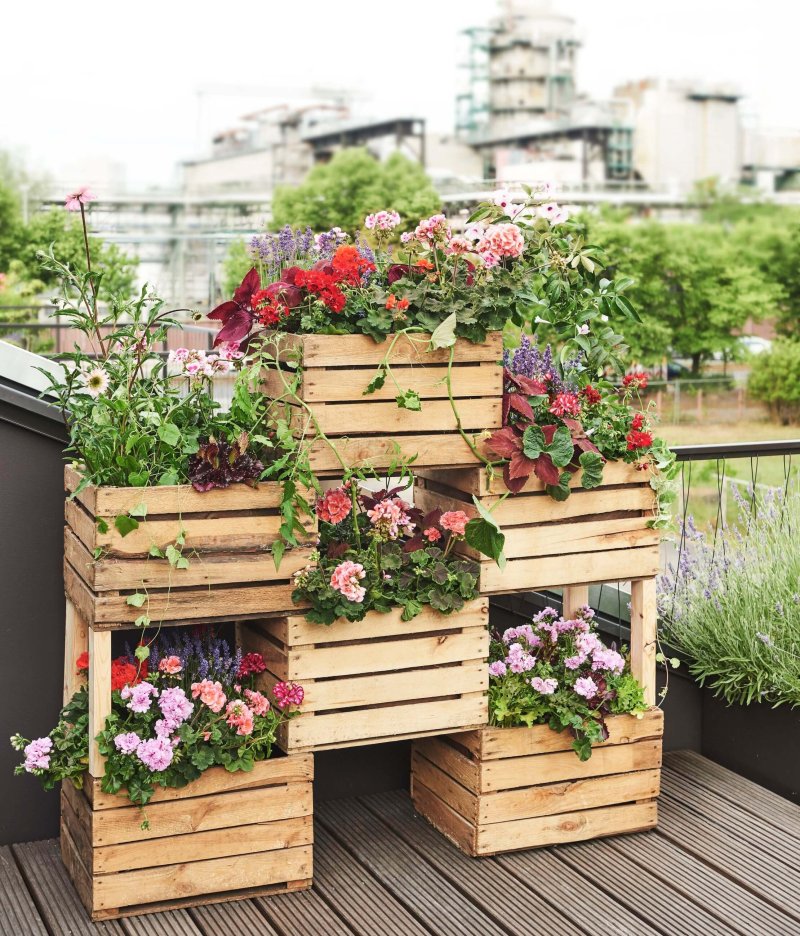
x=237, y=314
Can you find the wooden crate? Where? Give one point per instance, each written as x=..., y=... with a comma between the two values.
x=594, y=536
x=228, y=534
x=226, y=836
x=373, y=429
x=380, y=679
x=503, y=789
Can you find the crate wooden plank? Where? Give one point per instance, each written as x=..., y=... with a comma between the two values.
x=359, y=419
x=110, y=574
x=323, y=730
x=434, y=449
x=324, y=385
x=275, y=771
x=361, y=350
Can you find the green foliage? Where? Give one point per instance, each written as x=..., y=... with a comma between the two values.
x=775, y=379
x=353, y=184
x=236, y=264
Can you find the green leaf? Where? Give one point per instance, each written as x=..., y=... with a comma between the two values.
x=485, y=536
x=592, y=473
x=169, y=478
x=561, y=449
x=377, y=382
x=533, y=443
x=173, y=555
x=409, y=400
x=560, y=491
x=140, y=510
x=444, y=335
x=137, y=600
x=182, y=563
x=125, y=524
x=102, y=526
x=278, y=549
x=142, y=653
x=142, y=621
x=155, y=552
x=138, y=478
x=169, y=434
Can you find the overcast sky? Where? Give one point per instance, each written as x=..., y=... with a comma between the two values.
x=86, y=78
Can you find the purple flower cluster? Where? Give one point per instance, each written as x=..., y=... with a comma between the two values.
x=201, y=658
x=37, y=754
x=286, y=248
x=529, y=361
x=175, y=708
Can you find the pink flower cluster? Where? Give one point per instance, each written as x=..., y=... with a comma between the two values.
x=156, y=753
x=80, y=197
x=194, y=363
x=334, y=505
x=128, y=742
x=175, y=708
x=37, y=754
x=345, y=579
x=553, y=213
x=239, y=716
x=566, y=404
x=382, y=221
x=501, y=241
x=140, y=696
x=258, y=703
x=389, y=517
x=545, y=686
x=210, y=694
x=433, y=230
x=170, y=665
x=288, y=693
x=455, y=521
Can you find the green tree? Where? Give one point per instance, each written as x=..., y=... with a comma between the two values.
x=10, y=225
x=353, y=184
x=775, y=379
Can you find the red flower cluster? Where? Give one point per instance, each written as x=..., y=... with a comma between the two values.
x=334, y=506
x=565, y=404
x=269, y=309
x=591, y=395
x=324, y=280
x=638, y=440
x=394, y=303
x=124, y=673
x=251, y=664
x=638, y=421
x=636, y=381
x=82, y=663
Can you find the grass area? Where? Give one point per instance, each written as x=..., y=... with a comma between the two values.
x=711, y=434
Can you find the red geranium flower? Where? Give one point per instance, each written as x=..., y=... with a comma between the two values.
x=124, y=674
x=636, y=381
x=334, y=506
x=82, y=663
x=591, y=395
x=251, y=664
x=638, y=421
x=638, y=440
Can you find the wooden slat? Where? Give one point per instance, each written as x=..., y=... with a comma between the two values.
x=644, y=636
x=569, y=796
x=237, y=918
x=578, y=569
x=18, y=913
x=516, y=772
x=76, y=642
x=432, y=450
x=324, y=730
x=459, y=798
x=387, y=656
x=275, y=771
x=322, y=385
x=420, y=886
x=359, y=419
x=108, y=574
x=476, y=480
x=99, y=695
x=449, y=758
x=360, y=350
x=303, y=912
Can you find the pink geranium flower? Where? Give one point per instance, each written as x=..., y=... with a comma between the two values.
x=81, y=197
x=503, y=240
x=170, y=665
x=345, y=579
x=210, y=693
x=455, y=521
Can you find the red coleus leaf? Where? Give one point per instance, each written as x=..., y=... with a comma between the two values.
x=520, y=466
x=291, y=296
x=505, y=442
x=586, y=445
x=250, y=284
x=549, y=432
x=545, y=470
x=528, y=385
x=236, y=327
x=413, y=544
x=432, y=518
x=515, y=485
x=337, y=550
x=520, y=404
x=396, y=271
x=224, y=311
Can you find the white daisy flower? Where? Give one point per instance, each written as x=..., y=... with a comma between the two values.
x=96, y=382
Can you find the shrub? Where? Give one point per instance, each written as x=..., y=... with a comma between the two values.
x=775, y=379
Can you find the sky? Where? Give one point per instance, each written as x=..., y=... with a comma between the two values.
x=146, y=84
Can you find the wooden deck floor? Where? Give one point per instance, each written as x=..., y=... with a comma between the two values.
x=724, y=860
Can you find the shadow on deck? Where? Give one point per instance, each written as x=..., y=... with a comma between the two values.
x=725, y=859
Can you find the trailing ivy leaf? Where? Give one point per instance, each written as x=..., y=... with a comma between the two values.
x=169, y=434
x=125, y=524
x=278, y=549
x=377, y=381
x=484, y=536
x=409, y=399
x=140, y=510
x=169, y=478
x=138, y=478
x=533, y=443
x=592, y=473
x=182, y=563
x=180, y=539
x=142, y=621
x=173, y=555
x=444, y=335
x=560, y=491
x=561, y=449
x=142, y=652
x=155, y=552
x=102, y=526
x=137, y=600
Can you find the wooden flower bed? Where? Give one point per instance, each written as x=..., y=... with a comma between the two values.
x=226, y=836
x=372, y=429
x=228, y=534
x=593, y=536
x=379, y=679
x=503, y=789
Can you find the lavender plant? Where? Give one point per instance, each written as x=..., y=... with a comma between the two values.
x=731, y=603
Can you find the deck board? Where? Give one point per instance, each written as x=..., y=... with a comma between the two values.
x=723, y=862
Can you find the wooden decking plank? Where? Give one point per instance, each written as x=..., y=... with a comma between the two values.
x=637, y=888
x=52, y=889
x=482, y=880
x=356, y=896
x=422, y=888
x=18, y=913
x=303, y=912
x=237, y=918
x=543, y=869
x=169, y=923
x=749, y=796
x=764, y=838
x=775, y=881
x=730, y=900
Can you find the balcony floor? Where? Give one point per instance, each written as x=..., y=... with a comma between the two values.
x=724, y=860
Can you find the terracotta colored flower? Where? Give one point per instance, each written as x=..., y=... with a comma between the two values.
x=170, y=665
x=334, y=506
